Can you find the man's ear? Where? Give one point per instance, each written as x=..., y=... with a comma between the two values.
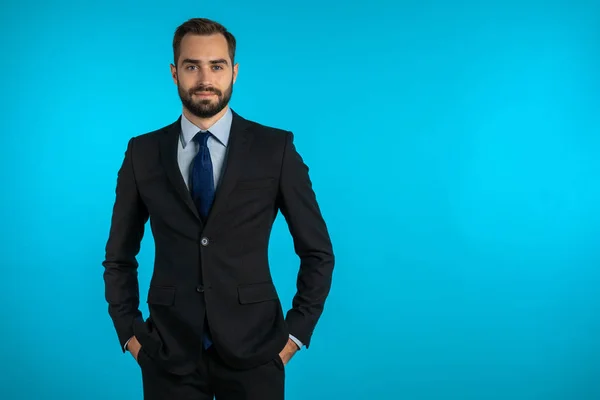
x=173, y=73
x=235, y=71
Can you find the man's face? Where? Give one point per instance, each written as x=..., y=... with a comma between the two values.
x=204, y=74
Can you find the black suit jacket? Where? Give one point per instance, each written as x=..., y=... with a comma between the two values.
x=216, y=271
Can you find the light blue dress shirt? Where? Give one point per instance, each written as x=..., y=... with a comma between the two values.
x=217, y=145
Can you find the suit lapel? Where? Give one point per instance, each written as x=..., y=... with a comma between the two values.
x=239, y=143
x=168, y=156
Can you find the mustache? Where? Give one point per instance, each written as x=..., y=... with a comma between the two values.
x=205, y=89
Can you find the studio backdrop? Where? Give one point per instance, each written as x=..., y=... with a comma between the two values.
x=454, y=147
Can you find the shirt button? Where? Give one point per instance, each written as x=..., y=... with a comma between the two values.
x=204, y=241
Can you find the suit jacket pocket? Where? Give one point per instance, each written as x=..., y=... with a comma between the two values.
x=262, y=183
x=161, y=295
x=257, y=292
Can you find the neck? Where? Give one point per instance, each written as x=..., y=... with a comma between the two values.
x=204, y=123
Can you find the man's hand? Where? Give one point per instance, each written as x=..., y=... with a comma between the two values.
x=134, y=347
x=288, y=351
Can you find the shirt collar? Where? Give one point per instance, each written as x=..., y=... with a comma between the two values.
x=219, y=129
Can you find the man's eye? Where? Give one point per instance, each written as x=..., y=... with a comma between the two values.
x=190, y=67
x=217, y=66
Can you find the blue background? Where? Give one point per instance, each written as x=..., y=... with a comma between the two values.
x=453, y=147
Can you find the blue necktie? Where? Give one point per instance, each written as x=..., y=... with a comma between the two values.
x=202, y=182
x=202, y=190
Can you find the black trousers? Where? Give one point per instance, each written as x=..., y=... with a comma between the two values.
x=213, y=379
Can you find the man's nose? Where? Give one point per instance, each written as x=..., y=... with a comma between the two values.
x=203, y=74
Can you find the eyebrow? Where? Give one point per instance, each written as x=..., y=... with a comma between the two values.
x=212, y=62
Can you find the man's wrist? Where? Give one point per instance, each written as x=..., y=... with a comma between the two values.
x=297, y=342
x=127, y=343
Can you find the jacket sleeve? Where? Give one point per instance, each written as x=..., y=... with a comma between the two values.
x=129, y=217
x=298, y=204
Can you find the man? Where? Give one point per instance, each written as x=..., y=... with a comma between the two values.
x=211, y=184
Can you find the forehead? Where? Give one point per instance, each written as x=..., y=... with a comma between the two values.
x=204, y=47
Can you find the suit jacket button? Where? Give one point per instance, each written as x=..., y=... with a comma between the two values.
x=204, y=241
x=199, y=289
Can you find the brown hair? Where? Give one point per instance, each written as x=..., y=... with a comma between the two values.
x=202, y=26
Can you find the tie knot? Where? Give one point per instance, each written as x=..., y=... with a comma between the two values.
x=201, y=137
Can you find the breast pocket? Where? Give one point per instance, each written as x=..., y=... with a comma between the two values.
x=252, y=196
x=255, y=184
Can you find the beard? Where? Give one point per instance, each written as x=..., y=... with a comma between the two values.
x=205, y=108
